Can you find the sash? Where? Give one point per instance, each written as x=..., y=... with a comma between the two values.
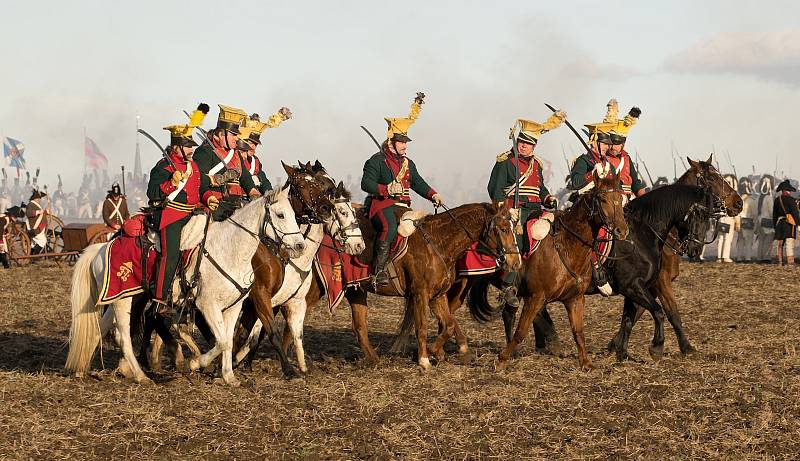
x=252, y=171
x=789, y=217
x=219, y=166
x=181, y=184
x=116, y=213
x=511, y=190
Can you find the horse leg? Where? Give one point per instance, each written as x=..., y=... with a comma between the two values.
x=419, y=303
x=226, y=344
x=575, y=310
x=620, y=341
x=509, y=317
x=262, y=301
x=216, y=324
x=441, y=309
x=533, y=304
x=295, y=318
x=666, y=296
x=358, y=306
x=122, y=314
x=456, y=295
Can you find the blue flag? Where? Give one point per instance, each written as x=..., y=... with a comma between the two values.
x=12, y=151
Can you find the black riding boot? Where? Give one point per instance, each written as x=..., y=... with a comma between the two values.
x=601, y=280
x=4, y=260
x=381, y=276
x=508, y=291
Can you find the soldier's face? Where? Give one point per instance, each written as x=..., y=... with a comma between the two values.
x=604, y=148
x=187, y=152
x=231, y=138
x=616, y=149
x=525, y=149
x=400, y=148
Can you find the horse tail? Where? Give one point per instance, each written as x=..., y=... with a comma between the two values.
x=478, y=301
x=403, y=330
x=84, y=332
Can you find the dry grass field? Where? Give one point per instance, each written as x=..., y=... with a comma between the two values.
x=737, y=397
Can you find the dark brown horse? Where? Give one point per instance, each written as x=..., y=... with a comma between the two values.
x=560, y=270
x=426, y=272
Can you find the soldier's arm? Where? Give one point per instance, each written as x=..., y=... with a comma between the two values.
x=369, y=179
x=107, y=213
x=503, y=174
x=160, y=184
x=777, y=211
x=580, y=175
x=544, y=192
x=791, y=208
x=265, y=184
x=206, y=191
x=637, y=185
x=418, y=184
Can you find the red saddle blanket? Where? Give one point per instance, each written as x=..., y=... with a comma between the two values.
x=337, y=270
x=474, y=263
x=122, y=273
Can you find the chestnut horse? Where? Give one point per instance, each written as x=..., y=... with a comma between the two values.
x=561, y=270
x=726, y=200
x=426, y=272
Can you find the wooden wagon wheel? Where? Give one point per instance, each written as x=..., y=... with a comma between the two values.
x=55, y=239
x=19, y=244
x=100, y=237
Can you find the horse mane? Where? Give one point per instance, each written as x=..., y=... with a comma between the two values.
x=466, y=210
x=664, y=203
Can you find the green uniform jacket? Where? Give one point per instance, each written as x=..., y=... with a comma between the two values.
x=581, y=171
x=377, y=175
x=504, y=175
x=206, y=159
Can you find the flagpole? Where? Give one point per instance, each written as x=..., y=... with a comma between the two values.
x=84, y=153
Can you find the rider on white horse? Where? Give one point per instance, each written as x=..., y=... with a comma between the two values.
x=175, y=189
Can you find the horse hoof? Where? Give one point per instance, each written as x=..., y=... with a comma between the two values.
x=656, y=352
x=425, y=363
x=194, y=364
x=232, y=382
x=622, y=355
x=370, y=362
x=588, y=366
x=465, y=358
x=291, y=374
x=501, y=365
x=687, y=348
x=143, y=379
x=612, y=346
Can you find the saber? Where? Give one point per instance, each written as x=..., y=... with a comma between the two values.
x=569, y=125
x=516, y=165
x=370, y=135
x=163, y=152
x=647, y=170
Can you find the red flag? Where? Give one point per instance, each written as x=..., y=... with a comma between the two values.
x=94, y=158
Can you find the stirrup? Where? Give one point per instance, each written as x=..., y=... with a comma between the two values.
x=508, y=295
x=601, y=281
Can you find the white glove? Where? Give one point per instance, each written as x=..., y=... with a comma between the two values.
x=437, y=200
x=602, y=169
x=395, y=188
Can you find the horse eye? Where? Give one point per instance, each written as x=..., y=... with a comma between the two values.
x=280, y=216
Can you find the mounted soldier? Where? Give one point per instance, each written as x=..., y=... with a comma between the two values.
x=785, y=215
x=5, y=222
x=518, y=182
x=250, y=138
x=389, y=177
x=176, y=187
x=607, y=156
x=37, y=222
x=218, y=159
x=115, y=208
x=5, y=193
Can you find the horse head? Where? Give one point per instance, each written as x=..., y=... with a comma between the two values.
x=499, y=238
x=280, y=223
x=606, y=205
x=703, y=174
x=344, y=228
x=310, y=194
x=694, y=227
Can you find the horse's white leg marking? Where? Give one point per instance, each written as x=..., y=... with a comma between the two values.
x=295, y=317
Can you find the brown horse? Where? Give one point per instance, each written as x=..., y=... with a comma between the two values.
x=561, y=270
x=703, y=174
x=426, y=272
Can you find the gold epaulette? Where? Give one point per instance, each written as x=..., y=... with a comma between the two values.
x=504, y=156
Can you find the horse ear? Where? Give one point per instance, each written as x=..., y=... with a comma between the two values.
x=692, y=162
x=289, y=170
x=317, y=166
x=710, y=158
x=340, y=189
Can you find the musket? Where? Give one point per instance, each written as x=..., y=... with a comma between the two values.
x=123, y=180
x=372, y=137
x=566, y=160
x=645, y=168
x=572, y=128
x=163, y=152
x=730, y=162
x=674, y=170
x=674, y=151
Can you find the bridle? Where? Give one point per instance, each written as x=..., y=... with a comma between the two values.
x=718, y=201
x=696, y=213
x=499, y=251
x=342, y=233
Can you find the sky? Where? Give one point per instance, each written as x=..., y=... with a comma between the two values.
x=722, y=75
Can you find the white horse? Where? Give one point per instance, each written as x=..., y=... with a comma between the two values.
x=748, y=217
x=225, y=272
x=298, y=273
x=765, y=233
